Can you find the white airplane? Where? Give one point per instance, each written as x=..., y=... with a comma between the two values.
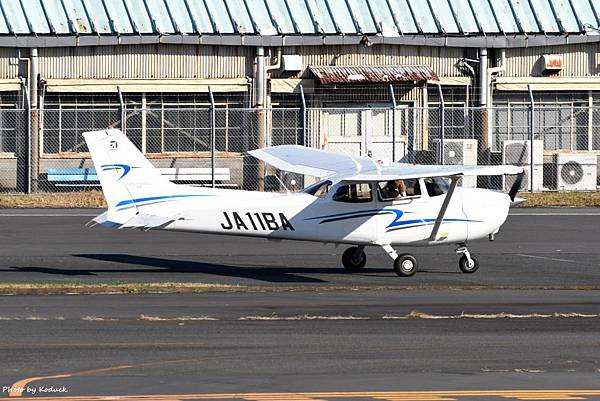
x=356, y=202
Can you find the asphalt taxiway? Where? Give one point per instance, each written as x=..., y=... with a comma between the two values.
x=525, y=326
x=342, y=341
x=536, y=247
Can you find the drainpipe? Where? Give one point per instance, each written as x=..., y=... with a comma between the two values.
x=485, y=145
x=261, y=104
x=483, y=78
x=35, y=119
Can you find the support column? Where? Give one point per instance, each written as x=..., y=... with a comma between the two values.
x=259, y=103
x=484, y=101
x=35, y=119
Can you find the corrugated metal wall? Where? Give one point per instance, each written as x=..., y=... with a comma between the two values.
x=578, y=60
x=441, y=59
x=145, y=61
x=9, y=67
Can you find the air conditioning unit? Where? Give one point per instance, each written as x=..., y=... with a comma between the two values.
x=576, y=171
x=459, y=151
x=518, y=153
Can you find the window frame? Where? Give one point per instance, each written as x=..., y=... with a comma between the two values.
x=350, y=201
x=380, y=197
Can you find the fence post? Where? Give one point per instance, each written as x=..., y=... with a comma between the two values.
x=304, y=126
x=394, y=106
x=213, y=131
x=29, y=147
x=121, y=108
x=531, y=130
x=23, y=144
x=442, y=124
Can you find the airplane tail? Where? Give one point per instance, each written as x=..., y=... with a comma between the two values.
x=126, y=176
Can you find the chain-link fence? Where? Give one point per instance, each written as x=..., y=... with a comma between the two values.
x=44, y=150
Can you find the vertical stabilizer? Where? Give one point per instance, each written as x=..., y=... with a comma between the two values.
x=125, y=174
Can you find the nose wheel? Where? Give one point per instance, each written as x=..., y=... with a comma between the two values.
x=468, y=262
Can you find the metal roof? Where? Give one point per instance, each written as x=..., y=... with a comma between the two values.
x=271, y=22
x=361, y=74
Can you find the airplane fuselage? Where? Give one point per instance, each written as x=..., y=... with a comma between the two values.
x=471, y=214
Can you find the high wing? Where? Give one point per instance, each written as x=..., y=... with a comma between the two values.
x=344, y=167
x=406, y=171
x=315, y=162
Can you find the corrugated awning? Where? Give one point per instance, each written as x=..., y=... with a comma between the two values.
x=10, y=85
x=292, y=85
x=371, y=73
x=547, y=83
x=147, y=85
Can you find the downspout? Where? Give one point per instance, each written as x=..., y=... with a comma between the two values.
x=261, y=104
x=483, y=78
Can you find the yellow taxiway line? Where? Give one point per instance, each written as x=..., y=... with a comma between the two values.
x=326, y=396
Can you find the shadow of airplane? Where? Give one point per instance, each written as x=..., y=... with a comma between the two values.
x=162, y=265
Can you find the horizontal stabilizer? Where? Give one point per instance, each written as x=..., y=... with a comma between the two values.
x=140, y=220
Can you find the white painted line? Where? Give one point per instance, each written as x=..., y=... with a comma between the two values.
x=546, y=258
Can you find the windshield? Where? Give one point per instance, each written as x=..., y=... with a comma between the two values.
x=436, y=186
x=320, y=189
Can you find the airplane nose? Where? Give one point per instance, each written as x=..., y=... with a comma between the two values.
x=486, y=211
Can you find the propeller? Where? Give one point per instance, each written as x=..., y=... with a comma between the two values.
x=516, y=186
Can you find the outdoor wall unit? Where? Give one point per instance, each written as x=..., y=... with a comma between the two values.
x=459, y=151
x=291, y=63
x=576, y=171
x=518, y=153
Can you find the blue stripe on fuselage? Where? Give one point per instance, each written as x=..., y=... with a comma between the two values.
x=154, y=198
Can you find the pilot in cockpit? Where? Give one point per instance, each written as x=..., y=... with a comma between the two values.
x=395, y=189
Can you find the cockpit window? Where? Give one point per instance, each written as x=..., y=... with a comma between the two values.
x=320, y=189
x=398, y=189
x=436, y=186
x=353, y=193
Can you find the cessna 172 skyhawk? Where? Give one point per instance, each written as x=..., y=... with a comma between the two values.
x=357, y=202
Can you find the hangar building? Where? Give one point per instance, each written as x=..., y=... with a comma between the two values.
x=318, y=69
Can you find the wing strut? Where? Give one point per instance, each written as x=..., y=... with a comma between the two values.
x=440, y=217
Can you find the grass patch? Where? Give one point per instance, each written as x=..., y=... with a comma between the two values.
x=558, y=199
x=7, y=289
x=112, y=288
x=62, y=200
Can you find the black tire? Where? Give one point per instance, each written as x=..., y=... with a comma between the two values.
x=405, y=265
x=353, y=263
x=463, y=263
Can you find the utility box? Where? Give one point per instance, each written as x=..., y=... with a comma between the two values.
x=291, y=63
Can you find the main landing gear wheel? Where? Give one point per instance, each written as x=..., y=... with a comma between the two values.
x=354, y=259
x=405, y=265
x=467, y=266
